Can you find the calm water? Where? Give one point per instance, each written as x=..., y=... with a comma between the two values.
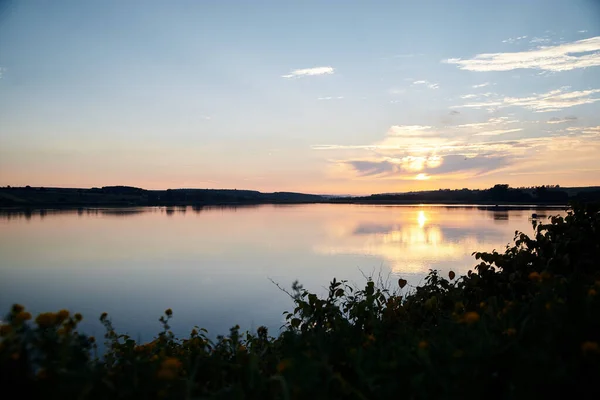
x=212, y=266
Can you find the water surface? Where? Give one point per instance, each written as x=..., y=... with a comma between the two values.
x=212, y=265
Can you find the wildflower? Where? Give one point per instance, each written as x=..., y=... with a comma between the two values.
x=62, y=315
x=423, y=344
x=154, y=358
x=546, y=276
x=471, y=317
x=168, y=312
x=15, y=356
x=23, y=316
x=592, y=292
x=458, y=353
x=482, y=304
x=588, y=347
x=5, y=330
x=42, y=374
x=283, y=365
x=194, y=332
x=17, y=308
x=548, y=306
x=45, y=320
x=451, y=275
x=103, y=316
x=535, y=276
x=402, y=283
x=371, y=338
x=166, y=374
x=78, y=317
x=92, y=339
x=242, y=348
x=510, y=332
x=171, y=363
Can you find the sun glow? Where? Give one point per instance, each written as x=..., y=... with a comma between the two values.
x=422, y=218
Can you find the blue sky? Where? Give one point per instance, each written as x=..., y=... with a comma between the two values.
x=314, y=96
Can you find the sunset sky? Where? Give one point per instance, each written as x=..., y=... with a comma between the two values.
x=336, y=97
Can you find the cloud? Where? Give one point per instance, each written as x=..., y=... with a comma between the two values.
x=489, y=122
x=309, y=72
x=427, y=83
x=552, y=101
x=454, y=112
x=330, y=98
x=497, y=132
x=481, y=85
x=557, y=120
x=538, y=40
x=514, y=40
x=563, y=57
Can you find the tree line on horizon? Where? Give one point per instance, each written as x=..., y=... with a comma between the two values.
x=132, y=196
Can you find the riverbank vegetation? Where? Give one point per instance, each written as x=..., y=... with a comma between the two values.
x=524, y=323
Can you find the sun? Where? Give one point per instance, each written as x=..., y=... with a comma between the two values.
x=422, y=177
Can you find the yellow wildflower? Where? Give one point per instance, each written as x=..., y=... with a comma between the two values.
x=166, y=374
x=592, y=292
x=168, y=312
x=546, y=276
x=371, y=338
x=42, y=374
x=103, y=316
x=589, y=347
x=535, y=276
x=171, y=363
x=423, y=344
x=548, y=306
x=45, y=320
x=5, y=330
x=194, y=332
x=283, y=365
x=510, y=332
x=17, y=308
x=23, y=316
x=78, y=317
x=458, y=353
x=482, y=304
x=62, y=315
x=154, y=358
x=471, y=317
x=92, y=339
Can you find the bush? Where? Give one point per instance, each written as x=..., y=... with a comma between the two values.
x=524, y=324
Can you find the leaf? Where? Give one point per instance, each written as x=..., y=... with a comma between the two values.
x=402, y=283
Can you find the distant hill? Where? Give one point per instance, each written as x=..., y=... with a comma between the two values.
x=133, y=196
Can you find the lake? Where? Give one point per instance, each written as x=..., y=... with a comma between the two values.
x=214, y=265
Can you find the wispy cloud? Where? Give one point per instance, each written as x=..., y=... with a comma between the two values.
x=330, y=98
x=498, y=132
x=557, y=120
x=552, y=101
x=490, y=122
x=310, y=72
x=430, y=85
x=563, y=57
x=515, y=39
x=481, y=85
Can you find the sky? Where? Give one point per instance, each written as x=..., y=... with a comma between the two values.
x=331, y=97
